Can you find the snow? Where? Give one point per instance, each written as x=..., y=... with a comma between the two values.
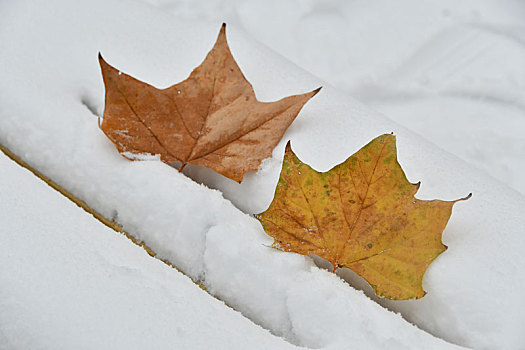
x=459, y=66
x=51, y=86
x=69, y=282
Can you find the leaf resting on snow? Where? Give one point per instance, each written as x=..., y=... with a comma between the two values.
x=211, y=119
x=361, y=214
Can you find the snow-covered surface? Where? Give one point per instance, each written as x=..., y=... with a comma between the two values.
x=51, y=81
x=69, y=282
x=453, y=71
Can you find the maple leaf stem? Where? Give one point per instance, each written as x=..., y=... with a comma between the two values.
x=182, y=167
x=335, y=268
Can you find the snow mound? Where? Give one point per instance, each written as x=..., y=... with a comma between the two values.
x=69, y=282
x=450, y=70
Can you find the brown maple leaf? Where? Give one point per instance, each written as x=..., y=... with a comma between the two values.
x=211, y=119
x=361, y=214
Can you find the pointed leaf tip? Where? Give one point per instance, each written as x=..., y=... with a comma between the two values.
x=288, y=147
x=101, y=60
x=103, y=64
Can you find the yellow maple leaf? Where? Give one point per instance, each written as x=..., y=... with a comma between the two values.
x=361, y=214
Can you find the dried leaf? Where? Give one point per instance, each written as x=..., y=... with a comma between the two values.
x=211, y=119
x=361, y=214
